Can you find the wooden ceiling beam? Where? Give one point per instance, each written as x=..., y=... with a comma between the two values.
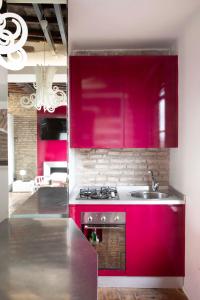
x=61, y=24
x=34, y=20
x=45, y=29
x=30, y=87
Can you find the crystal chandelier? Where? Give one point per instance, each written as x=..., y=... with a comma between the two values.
x=47, y=96
x=12, y=55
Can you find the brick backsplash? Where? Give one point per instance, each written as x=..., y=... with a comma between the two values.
x=121, y=166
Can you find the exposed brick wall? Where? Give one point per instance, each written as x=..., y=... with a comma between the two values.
x=25, y=135
x=3, y=137
x=121, y=166
x=3, y=147
x=16, y=109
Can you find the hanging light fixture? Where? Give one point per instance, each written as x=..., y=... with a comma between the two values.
x=12, y=55
x=46, y=96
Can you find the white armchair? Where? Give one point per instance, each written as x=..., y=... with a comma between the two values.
x=56, y=179
x=41, y=181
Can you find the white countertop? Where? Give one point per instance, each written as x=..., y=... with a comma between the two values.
x=124, y=192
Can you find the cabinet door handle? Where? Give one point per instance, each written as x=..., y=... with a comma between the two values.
x=103, y=227
x=174, y=209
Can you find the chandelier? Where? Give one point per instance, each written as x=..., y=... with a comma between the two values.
x=46, y=96
x=12, y=55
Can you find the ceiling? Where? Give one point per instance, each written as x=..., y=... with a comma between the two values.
x=29, y=13
x=126, y=24
x=27, y=74
x=52, y=39
x=100, y=24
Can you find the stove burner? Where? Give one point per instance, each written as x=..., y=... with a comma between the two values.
x=99, y=193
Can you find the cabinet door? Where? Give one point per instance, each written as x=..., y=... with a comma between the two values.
x=96, y=103
x=155, y=240
x=151, y=101
x=75, y=213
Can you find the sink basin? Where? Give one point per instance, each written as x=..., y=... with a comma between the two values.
x=149, y=195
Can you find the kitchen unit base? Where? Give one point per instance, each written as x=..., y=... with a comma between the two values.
x=140, y=282
x=155, y=238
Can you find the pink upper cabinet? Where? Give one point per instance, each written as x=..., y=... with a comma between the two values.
x=150, y=101
x=123, y=102
x=96, y=104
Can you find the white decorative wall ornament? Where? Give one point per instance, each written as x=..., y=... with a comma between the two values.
x=11, y=43
x=47, y=96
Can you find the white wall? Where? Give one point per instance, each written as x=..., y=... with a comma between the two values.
x=3, y=88
x=185, y=161
x=72, y=168
x=27, y=74
x=126, y=24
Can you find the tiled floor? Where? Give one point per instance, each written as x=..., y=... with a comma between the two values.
x=140, y=294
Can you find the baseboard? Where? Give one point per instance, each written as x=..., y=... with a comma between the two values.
x=185, y=292
x=140, y=282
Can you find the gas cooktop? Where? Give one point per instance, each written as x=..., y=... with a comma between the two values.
x=98, y=193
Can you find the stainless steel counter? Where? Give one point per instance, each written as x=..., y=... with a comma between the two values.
x=46, y=259
x=46, y=202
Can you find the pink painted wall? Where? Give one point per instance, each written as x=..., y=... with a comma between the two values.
x=50, y=150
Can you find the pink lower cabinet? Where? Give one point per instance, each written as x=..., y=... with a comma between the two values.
x=155, y=238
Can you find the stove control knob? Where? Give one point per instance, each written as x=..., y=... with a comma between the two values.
x=90, y=218
x=103, y=219
x=116, y=218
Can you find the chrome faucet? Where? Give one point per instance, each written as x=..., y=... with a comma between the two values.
x=154, y=183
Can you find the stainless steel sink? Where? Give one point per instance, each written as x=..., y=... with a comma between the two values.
x=149, y=195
